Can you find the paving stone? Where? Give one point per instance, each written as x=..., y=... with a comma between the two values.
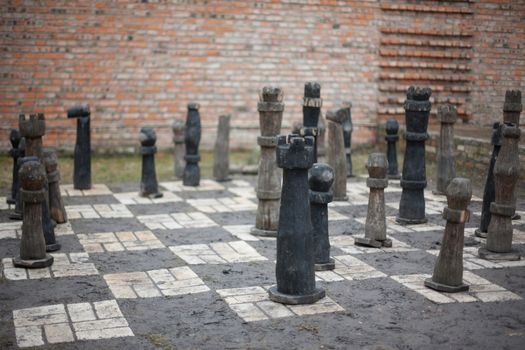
x=130, y=198
x=119, y=241
x=346, y=244
x=221, y=205
x=176, y=220
x=217, y=253
x=97, y=211
x=204, y=185
x=96, y=190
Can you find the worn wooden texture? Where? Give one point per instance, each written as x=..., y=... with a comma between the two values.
x=221, y=152
x=82, y=166
x=446, y=161
x=391, y=137
x=149, y=186
x=348, y=128
x=17, y=212
x=192, y=138
x=179, y=147
x=56, y=204
x=336, y=153
x=14, y=152
x=312, y=104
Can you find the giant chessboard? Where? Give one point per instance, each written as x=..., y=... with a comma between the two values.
x=184, y=272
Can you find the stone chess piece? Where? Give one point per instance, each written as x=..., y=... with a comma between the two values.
x=180, y=148
x=17, y=212
x=270, y=109
x=295, y=268
x=82, y=166
x=446, y=167
x=375, y=226
x=149, y=186
x=312, y=103
x=448, y=271
x=14, y=152
x=320, y=180
x=192, y=137
x=413, y=180
x=56, y=204
x=391, y=137
x=347, y=136
x=336, y=153
x=221, y=153
x=321, y=138
x=32, y=244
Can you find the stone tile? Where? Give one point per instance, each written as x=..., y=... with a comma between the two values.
x=205, y=185
x=222, y=205
x=334, y=215
x=97, y=211
x=119, y=241
x=349, y=268
x=346, y=244
x=155, y=283
x=130, y=198
x=65, y=265
x=3, y=204
x=58, y=333
x=244, y=192
x=176, y=220
x=10, y=229
x=96, y=190
x=217, y=253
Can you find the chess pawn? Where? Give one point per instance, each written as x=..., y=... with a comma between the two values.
x=336, y=153
x=312, y=103
x=82, y=166
x=270, y=109
x=448, y=271
x=14, y=152
x=413, y=180
x=320, y=179
x=446, y=167
x=192, y=137
x=17, y=212
x=32, y=244
x=375, y=226
x=221, y=154
x=295, y=269
x=489, y=193
x=56, y=205
x=180, y=148
x=392, y=128
x=148, y=182
x=347, y=136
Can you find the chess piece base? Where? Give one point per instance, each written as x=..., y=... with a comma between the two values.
x=486, y=254
x=330, y=265
x=53, y=247
x=224, y=180
x=516, y=217
x=10, y=201
x=296, y=299
x=263, y=233
x=15, y=216
x=152, y=195
x=479, y=233
x=394, y=177
x=444, y=287
x=340, y=199
x=404, y=221
x=368, y=242
x=33, y=264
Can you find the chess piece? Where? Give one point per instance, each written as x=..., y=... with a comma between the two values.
x=506, y=173
x=82, y=167
x=336, y=153
x=446, y=167
x=14, y=152
x=149, y=186
x=56, y=205
x=32, y=129
x=321, y=138
x=32, y=244
x=297, y=127
x=347, y=136
x=270, y=109
x=375, y=226
x=320, y=179
x=295, y=269
x=413, y=180
x=221, y=153
x=192, y=136
x=489, y=193
x=392, y=128
x=180, y=148
x=17, y=212
x=312, y=103
x=448, y=271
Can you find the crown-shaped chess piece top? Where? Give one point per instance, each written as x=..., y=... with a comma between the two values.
x=295, y=152
x=271, y=94
x=447, y=113
x=417, y=93
x=32, y=127
x=512, y=107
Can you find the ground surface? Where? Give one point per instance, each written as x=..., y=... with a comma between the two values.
x=183, y=272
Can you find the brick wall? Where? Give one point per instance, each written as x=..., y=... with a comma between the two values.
x=139, y=62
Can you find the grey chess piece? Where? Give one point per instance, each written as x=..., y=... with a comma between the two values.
x=149, y=186
x=446, y=167
x=221, y=152
x=180, y=148
x=336, y=153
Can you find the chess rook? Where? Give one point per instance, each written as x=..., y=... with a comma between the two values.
x=489, y=192
x=14, y=152
x=192, y=137
x=413, y=180
x=270, y=109
x=336, y=153
x=295, y=272
x=375, y=225
x=391, y=137
x=56, y=204
x=347, y=136
x=32, y=244
x=17, y=212
x=180, y=148
x=448, y=271
x=446, y=167
x=320, y=179
x=149, y=186
x=312, y=103
x=506, y=174
x=221, y=152
x=82, y=167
